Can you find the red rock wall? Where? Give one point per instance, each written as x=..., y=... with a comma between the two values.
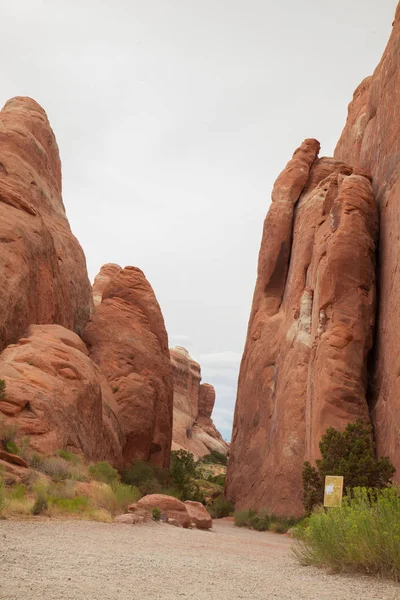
x=58, y=397
x=371, y=140
x=43, y=274
x=310, y=328
x=127, y=339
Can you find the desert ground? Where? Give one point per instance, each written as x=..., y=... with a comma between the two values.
x=83, y=560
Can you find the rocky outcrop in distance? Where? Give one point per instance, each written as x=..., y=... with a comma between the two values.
x=43, y=276
x=193, y=428
x=304, y=366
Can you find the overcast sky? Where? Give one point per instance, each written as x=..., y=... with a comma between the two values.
x=174, y=118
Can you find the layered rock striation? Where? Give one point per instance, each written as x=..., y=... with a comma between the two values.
x=310, y=328
x=43, y=276
x=193, y=428
x=127, y=339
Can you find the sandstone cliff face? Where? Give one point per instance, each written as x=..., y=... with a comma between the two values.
x=310, y=328
x=371, y=140
x=127, y=339
x=193, y=428
x=42, y=267
x=56, y=395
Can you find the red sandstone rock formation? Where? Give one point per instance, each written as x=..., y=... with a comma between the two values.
x=371, y=140
x=43, y=275
x=174, y=508
x=127, y=339
x=198, y=514
x=56, y=395
x=101, y=281
x=310, y=328
x=193, y=428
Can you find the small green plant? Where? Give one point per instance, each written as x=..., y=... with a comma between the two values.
x=350, y=453
x=115, y=389
x=116, y=497
x=11, y=447
x=68, y=456
x=41, y=502
x=156, y=513
x=18, y=492
x=103, y=471
x=35, y=461
x=220, y=508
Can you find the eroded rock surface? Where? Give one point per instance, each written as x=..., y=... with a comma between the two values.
x=127, y=339
x=58, y=397
x=193, y=428
x=43, y=276
x=371, y=140
x=310, y=328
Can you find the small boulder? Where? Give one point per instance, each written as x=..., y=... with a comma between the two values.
x=173, y=522
x=129, y=519
x=198, y=514
x=174, y=508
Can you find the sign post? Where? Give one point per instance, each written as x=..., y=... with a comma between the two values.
x=333, y=491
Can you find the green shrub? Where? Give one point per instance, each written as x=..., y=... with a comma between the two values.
x=214, y=458
x=260, y=521
x=218, y=479
x=220, y=508
x=103, y=471
x=139, y=472
x=18, y=492
x=124, y=495
x=68, y=456
x=362, y=535
x=350, y=453
x=263, y=521
x=77, y=504
x=41, y=503
x=11, y=447
x=156, y=513
x=242, y=517
x=55, y=467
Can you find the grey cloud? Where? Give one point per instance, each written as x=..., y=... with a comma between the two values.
x=173, y=120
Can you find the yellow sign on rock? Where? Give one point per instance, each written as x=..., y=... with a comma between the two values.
x=333, y=491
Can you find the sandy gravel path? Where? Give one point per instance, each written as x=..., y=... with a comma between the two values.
x=78, y=560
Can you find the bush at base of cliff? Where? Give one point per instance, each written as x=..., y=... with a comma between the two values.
x=350, y=453
x=220, y=508
x=263, y=521
x=362, y=535
x=214, y=458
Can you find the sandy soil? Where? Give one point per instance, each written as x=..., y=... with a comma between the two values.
x=77, y=560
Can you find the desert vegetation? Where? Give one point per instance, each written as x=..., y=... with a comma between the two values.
x=63, y=484
x=363, y=535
